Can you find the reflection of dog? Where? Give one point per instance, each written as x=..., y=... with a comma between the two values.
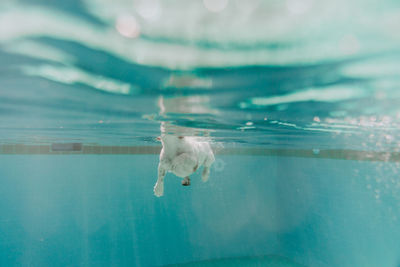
x=183, y=155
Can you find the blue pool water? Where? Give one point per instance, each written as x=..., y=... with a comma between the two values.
x=99, y=210
x=298, y=99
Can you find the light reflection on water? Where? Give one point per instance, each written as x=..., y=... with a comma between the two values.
x=275, y=67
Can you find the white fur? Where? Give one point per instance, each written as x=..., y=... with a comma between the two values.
x=183, y=155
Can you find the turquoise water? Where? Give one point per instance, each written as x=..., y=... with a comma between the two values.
x=299, y=100
x=99, y=210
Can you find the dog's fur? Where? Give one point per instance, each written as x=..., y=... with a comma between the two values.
x=183, y=155
x=182, y=151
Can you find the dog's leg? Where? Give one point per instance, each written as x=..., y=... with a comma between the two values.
x=159, y=187
x=186, y=181
x=206, y=174
x=206, y=169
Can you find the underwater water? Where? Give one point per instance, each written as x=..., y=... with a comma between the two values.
x=298, y=99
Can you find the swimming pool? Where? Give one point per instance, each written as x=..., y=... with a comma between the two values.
x=297, y=99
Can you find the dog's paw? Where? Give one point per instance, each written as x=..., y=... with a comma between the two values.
x=159, y=189
x=186, y=181
x=205, y=175
x=204, y=178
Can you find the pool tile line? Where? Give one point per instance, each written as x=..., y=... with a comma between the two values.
x=82, y=149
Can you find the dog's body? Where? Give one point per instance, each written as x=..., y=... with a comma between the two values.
x=183, y=155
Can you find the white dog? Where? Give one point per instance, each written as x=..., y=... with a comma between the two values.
x=183, y=155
